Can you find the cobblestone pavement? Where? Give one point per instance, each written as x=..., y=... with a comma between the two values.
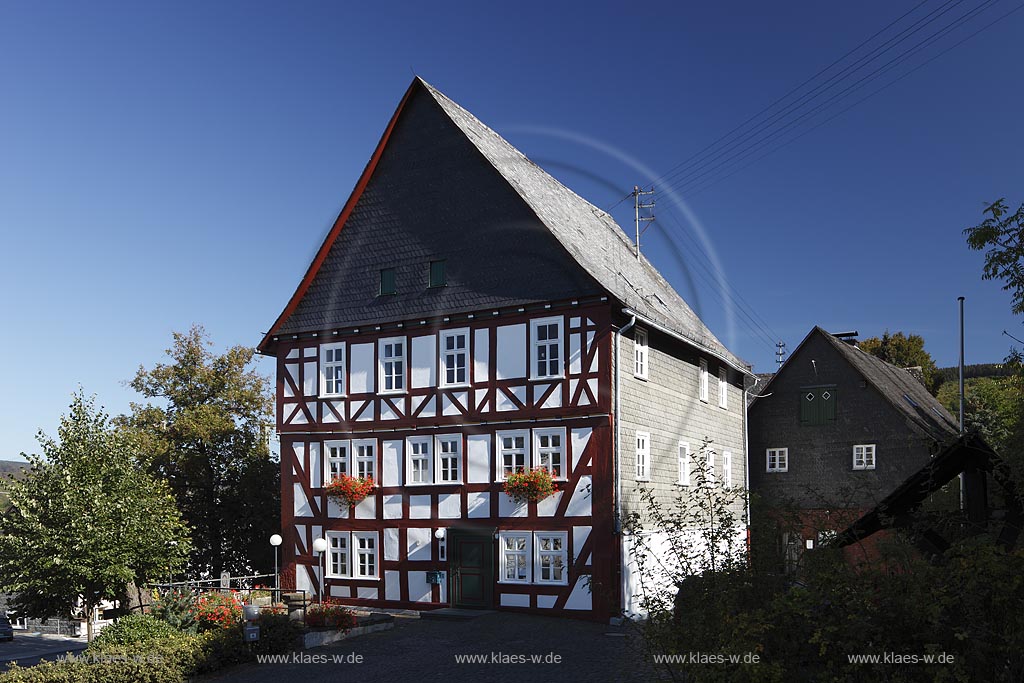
x=565, y=650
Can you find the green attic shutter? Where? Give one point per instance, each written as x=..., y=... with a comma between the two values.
x=817, y=405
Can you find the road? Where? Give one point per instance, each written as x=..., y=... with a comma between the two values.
x=31, y=648
x=509, y=648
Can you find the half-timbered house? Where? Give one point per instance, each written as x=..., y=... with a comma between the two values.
x=467, y=316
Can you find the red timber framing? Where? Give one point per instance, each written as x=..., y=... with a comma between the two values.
x=404, y=516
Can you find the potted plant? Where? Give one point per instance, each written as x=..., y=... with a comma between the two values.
x=348, y=490
x=530, y=485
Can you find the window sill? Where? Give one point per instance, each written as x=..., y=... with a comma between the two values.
x=643, y=480
x=393, y=392
x=462, y=385
x=548, y=378
x=640, y=377
x=352, y=578
x=331, y=396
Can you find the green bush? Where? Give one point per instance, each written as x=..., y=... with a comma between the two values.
x=133, y=629
x=177, y=608
x=168, y=660
x=278, y=634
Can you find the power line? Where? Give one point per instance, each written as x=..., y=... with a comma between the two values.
x=692, y=179
x=790, y=92
x=694, y=190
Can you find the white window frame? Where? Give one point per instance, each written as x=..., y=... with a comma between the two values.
x=702, y=387
x=334, y=363
x=643, y=456
x=535, y=344
x=428, y=458
x=727, y=469
x=329, y=459
x=359, y=553
x=399, y=383
x=526, y=553
x=723, y=388
x=440, y=454
x=781, y=456
x=684, y=464
x=640, y=353
x=866, y=450
x=539, y=451
x=444, y=356
x=539, y=553
x=358, y=461
x=499, y=459
x=344, y=538
x=709, y=468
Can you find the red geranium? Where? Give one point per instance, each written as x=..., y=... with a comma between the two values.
x=348, y=490
x=532, y=485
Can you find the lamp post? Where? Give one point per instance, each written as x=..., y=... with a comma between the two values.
x=319, y=546
x=276, y=541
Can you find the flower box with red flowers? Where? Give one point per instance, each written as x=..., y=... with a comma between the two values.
x=348, y=490
x=530, y=485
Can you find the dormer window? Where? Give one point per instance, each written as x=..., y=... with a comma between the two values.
x=387, y=281
x=437, y=276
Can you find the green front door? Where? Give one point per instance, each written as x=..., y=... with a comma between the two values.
x=471, y=555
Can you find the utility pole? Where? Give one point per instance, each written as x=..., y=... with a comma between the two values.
x=780, y=353
x=637, y=192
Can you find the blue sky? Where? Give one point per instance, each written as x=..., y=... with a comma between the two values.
x=163, y=164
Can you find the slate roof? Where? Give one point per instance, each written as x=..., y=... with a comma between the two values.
x=897, y=385
x=590, y=236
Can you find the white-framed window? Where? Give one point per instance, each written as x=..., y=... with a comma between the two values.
x=420, y=460
x=392, y=365
x=332, y=369
x=643, y=456
x=339, y=557
x=454, y=360
x=364, y=457
x=777, y=460
x=551, y=557
x=684, y=464
x=864, y=457
x=723, y=388
x=514, y=557
x=449, y=458
x=727, y=469
x=365, y=545
x=703, y=387
x=513, y=450
x=709, y=468
x=549, y=451
x=335, y=459
x=546, y=348
x=640, y=353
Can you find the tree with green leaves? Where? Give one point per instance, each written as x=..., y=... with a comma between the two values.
x=1002, y=235
x=207, y=425
x=905, y=351
x=87, y=521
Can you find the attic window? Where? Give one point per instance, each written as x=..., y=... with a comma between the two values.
x=911, y=401
x=387, y=281
x=437, y=276
x=818, y=405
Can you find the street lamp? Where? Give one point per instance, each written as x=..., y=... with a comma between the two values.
x=319, y=546
x=276, y=541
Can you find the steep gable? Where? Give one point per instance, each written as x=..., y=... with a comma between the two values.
x=442, y=185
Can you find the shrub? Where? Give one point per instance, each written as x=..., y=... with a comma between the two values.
x=278, y=634
x=133, y=629
x=177, y=608
x=330, y=615
x=217, y=610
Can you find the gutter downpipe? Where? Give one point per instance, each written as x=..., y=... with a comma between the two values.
x=618, y=465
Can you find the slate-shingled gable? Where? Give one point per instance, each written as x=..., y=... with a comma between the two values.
x=447, y=186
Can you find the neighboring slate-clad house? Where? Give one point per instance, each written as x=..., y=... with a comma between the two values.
x=836, y=430
x=461, y=320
